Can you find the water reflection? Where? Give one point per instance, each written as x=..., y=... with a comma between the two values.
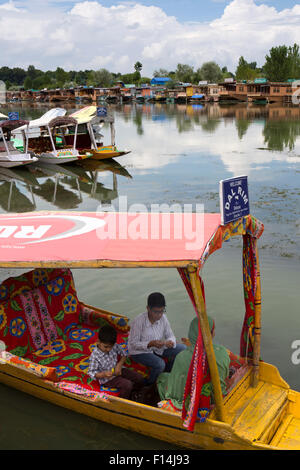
x=281, y=135
x=12, y=199
x=63, y=186
x=278, y=136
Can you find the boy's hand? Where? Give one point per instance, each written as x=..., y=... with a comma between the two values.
x=118, y=369
x=169, y=344
x=108, y=373
x=156, y=343
x=104, y=374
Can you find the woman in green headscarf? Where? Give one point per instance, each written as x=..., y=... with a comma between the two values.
x=171, y=385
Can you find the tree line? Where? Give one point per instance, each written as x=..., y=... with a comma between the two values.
x=281, y=63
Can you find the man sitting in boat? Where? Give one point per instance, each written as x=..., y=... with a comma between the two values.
x=171, y=385
x=107, y=369
x=151, y=340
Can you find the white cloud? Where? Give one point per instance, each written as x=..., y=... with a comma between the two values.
x=87, y=35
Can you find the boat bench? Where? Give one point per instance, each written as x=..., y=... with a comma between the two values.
x=48, y=331
x=83, y=141
x=46, y=328
x=40, y=144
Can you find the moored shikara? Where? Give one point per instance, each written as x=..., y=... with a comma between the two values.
x=260, y=411
x=10, y=156
x=90, y=136
x=51, y=145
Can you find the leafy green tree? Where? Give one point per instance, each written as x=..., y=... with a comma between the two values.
x=32, y=72
x=171, y=84
x=161, y=73
x=61, y=76
x=282, y=63
x=246, y=71
x=132, y=78
x=101, y=78
x=82, y=76
x=211, y=72
x=27, y=83
x=145, y=80
x=17, y=76
x=184, y=73
x=38, y=83
x=295, y=61
x=138, y=66
x=198, y=76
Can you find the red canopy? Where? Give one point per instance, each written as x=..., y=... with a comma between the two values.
x=74, y=237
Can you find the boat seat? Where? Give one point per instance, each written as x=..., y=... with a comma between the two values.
x=40, y=144
x=12, y=149
x=43, y=321
x=83, y=141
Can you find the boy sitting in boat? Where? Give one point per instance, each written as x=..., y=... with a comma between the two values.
x=105, y=367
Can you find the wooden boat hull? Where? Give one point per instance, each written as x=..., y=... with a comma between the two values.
x=135, y=417
x=13, y=164
x=103, y=153
x=278, y=427
x=61, y=160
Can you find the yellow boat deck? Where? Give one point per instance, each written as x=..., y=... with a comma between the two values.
x=268, y=414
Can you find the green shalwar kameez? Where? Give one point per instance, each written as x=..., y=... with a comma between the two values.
x=171, y=385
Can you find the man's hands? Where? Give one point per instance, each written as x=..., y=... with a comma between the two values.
x=156, y=343
x=105, y=374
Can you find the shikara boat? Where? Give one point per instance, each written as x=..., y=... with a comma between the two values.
x=49, y=333
x=89, y=135
x=52, y=145
x=10, y=156
x=35, y=125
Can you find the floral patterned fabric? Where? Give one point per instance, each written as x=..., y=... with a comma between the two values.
x=48, y=373
x=28, y=315
x=43, y=322
x=69, y=355
x=79, y=390
x=198, y=377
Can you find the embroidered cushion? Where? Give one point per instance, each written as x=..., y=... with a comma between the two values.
x=16, y=285
x=20, y=327
x=57, y=300
x=90, y=316
x=69, y=356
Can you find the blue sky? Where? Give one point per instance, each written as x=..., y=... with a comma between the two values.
x=113, y=34
x=201, y=10
x=183, y=10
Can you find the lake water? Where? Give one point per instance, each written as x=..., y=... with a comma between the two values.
x=179, y=153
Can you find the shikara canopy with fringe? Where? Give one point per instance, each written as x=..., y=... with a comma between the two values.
x=9, y=125
x=60, y=239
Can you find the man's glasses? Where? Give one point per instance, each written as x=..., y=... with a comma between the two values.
x=158, y=312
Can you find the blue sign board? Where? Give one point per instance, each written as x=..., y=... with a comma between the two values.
x=234, y=199
x=101, y=111
x=14, y=116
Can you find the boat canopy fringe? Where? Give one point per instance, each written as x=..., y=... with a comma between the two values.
x=12, y=124
x=198, y=385
x=62, y=121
